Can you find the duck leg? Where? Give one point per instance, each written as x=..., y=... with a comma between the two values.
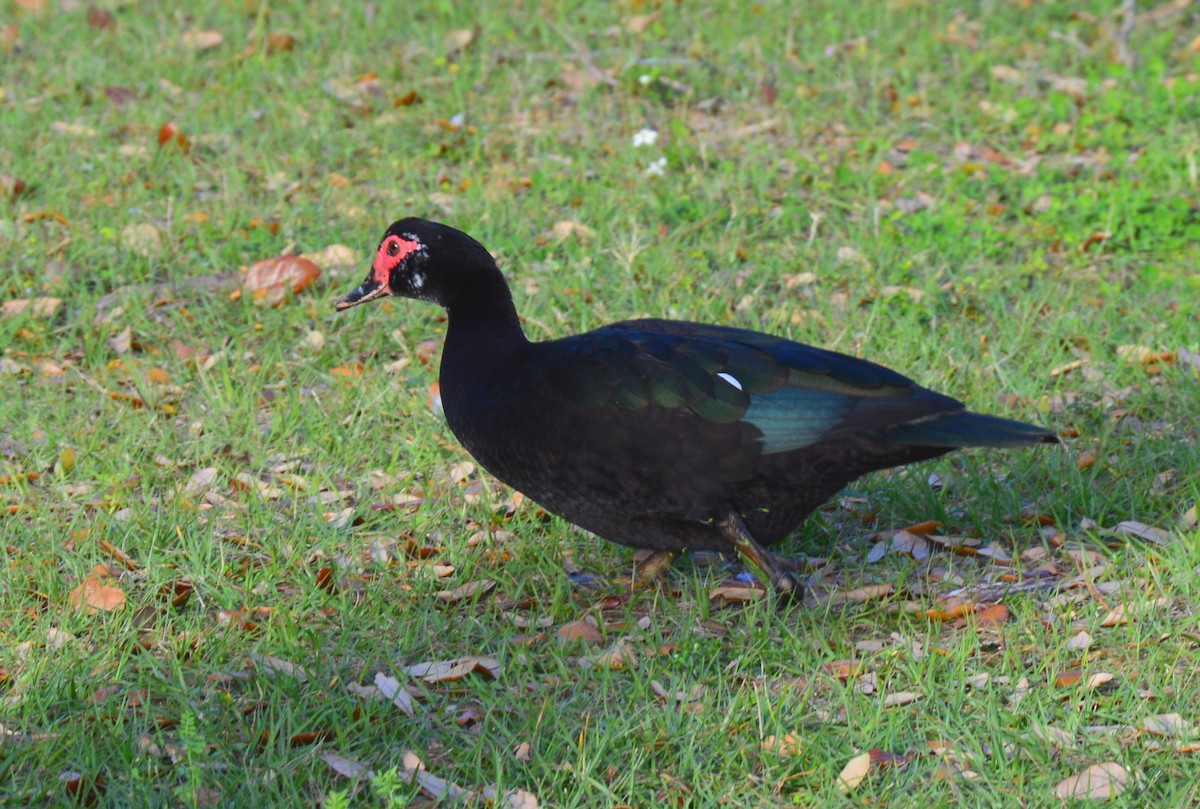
x=732, y=528
x=653, y=568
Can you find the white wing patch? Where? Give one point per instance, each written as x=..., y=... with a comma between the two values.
x=732, y=380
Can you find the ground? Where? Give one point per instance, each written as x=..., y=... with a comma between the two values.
x=247, y=564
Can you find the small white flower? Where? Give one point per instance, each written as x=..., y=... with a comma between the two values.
x=645, y=79
x=657, y=168
x=644, y=137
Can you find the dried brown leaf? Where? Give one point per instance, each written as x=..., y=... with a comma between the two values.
x=200, y=481
x=94, y=594
x=1080, y=641
x=991, y=615
x=1167, y=724
x=38, y=307
x=142, y=238
x=870, y=592
x=440, y=671
x=911, y=544
x=737, y=593
x=1149, y=533
x=11, y=187
x=202, y=40
x=270, y=280
x=1097, y=782
x=391, y=688
x=566, y=228
x=582, y=630
x=854, y=773
x=789, y=744
x=471, y=589
x=617, y=658
x=458, y=39
x=271, y=665
x=345, y=767
x=1121, y=613
x=1053, y=735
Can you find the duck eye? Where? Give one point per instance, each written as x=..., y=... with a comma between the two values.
x=393, y=248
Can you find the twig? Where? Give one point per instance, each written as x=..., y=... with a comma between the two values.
x=584, y=55
x=1128, y=13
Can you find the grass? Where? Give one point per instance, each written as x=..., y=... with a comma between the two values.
x=981, y=195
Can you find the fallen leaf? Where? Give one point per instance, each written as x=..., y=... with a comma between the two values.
x=11, y=187
x=1140, y=530
x=122, y=343
x=618, y=658
x=991, y=615
x=391, y=688
x=38, y=307
x=1080, y=641
x=1097, y=782
x=582, y=630
x=911, y=544
x=277, y=665
x=441, y=671
x=789, y=744
x=433, y=787
x=1068, y=677
x=278, y=42
x=202, y=40
x=1023, y=688
x=1005, y=73
x=871, y=592
x=566, y=228
x=977, y=680
x=1167, y=724
x=469, y=590
x=69, y=130
x=169, y=135
x=737, y=593
x=142, y=238
x=901, y=698
x=345, y=767
x=854, y=772
x=458, y=39
x=886, y=759
x=99, y=18
x=200, y=481
x=97, y=596
x=1136, y=354
x=270, y=279
x=843, y=669
x=1121, y=613
x=1053, y=735
x=1099, y=237
x=513, y=799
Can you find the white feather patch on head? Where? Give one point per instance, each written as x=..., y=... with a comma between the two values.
x=732, y=380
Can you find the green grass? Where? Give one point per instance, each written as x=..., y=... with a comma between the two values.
x=876, y=145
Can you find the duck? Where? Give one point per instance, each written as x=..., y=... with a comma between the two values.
x=664, y=435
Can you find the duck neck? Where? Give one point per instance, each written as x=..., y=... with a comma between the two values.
x=483, y=324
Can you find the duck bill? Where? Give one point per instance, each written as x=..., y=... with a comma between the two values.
x=368, y=290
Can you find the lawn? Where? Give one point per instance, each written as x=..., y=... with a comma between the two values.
x=248, y=564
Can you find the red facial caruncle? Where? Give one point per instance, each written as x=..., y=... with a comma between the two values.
x=391, y=252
